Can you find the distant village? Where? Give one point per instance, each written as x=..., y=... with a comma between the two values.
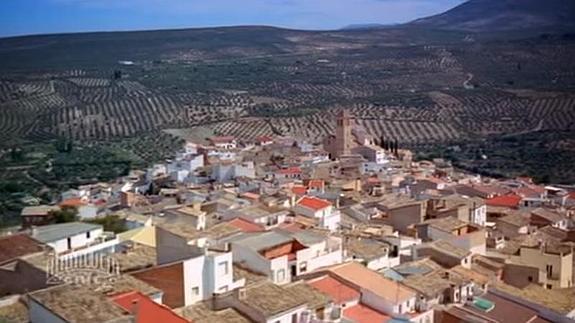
x=284, y=230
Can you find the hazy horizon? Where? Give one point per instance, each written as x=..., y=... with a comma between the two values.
x=31, y=17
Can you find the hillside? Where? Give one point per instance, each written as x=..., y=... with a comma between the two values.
x=504, y=15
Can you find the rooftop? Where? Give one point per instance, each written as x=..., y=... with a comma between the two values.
x=135, y=256
x=78, y=304
x=263, y=240
x=55, y=232
x=448, y=249
x=366, y=249
x=363, y=314
x=201, y=313
x=18, y=245
x=314, y=203
x=434, y=283
x=146, y=310
x=218, y=231
x=365, y=278
x=548, y=215
x=245, y=225
x=510, y=201
x=38, y=210
x=448, y=224
x=313, y=298
x=271, y=299
x=337, y=291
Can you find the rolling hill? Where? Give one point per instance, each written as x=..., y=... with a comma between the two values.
x=504, y=15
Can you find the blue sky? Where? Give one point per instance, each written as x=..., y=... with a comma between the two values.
x=20, y=17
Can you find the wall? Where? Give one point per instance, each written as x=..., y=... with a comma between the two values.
x=562, y=266
x=172, y=282
x=79, y=240
x=286, y=317
x=171, y=247
x=25, y=278
x=193, y=272
x=518, y=275
x=40, y=314
x=402, y=217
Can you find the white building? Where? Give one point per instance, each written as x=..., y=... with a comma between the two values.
x=282, y=255
x=225, y=172
x=227, y=142
x=323, y=210
x=74, y=239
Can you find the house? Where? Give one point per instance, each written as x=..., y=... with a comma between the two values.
x=378, y=292
x=85, y=209
x=347, y=300
x=444, y=253
x=17, y=276
x=513, y=224
x=401, y=212
x=281, y=255
x=193, y=214
x=267, y=217
x=70, y=240
x=468, y=209
x=82, y=303
x=190, y=268
x=224, y=142
x=264, y=141
x=317, y=208
x=374, y=254
x=440, y=286
x=37, y=215
x=461, y=234
x=549, y=264
x=265, y=302
x=491, y=307
x=227, y=171
x=288, y=173
x=510, y=201
x=541, y=217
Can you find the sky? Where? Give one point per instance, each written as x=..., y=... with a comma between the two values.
x=23, y=17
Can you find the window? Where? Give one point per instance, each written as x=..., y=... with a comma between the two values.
x=303, y=267
x=195, y=291
x=400, y=309
x=223, y=268
x=529, y=278
x=88, y=235
x=294, y=318
x=549, y=270
x=69, y=240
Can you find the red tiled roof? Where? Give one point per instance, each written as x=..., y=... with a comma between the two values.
x=290, y=171
x=314, y=203
x=511, y=201
x=18, y=245
x=291, y=227
x=299, y=190
x=250, y=195
x=264, y=139
x=245, y=225
x=363, y=314
x=74, y=202
x=221, y=140
x=338, y=291
x=146, y=310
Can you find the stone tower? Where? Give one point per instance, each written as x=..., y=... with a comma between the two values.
x=343, y=135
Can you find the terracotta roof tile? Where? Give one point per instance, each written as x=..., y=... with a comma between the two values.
x=363, y=314
x=245, y=225
x=146, y=310
x=338, y=291
x=511, y=201
x=314, y=203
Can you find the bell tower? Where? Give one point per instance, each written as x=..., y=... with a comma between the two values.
x=343, y=134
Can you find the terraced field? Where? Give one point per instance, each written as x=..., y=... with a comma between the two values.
x=421, y=88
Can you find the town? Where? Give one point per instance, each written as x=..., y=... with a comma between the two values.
x=347, y=228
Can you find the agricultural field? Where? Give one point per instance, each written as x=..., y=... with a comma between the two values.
x=429, y=90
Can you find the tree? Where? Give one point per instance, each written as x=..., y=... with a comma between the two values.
x=65, y=215
x=111, y=223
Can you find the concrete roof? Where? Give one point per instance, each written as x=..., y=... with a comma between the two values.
x=271, y=299
x=55, y=232
x=263, y=240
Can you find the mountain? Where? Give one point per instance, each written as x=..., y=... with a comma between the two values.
x=504, y=15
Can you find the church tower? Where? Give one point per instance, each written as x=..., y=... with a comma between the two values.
x=343, y=134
